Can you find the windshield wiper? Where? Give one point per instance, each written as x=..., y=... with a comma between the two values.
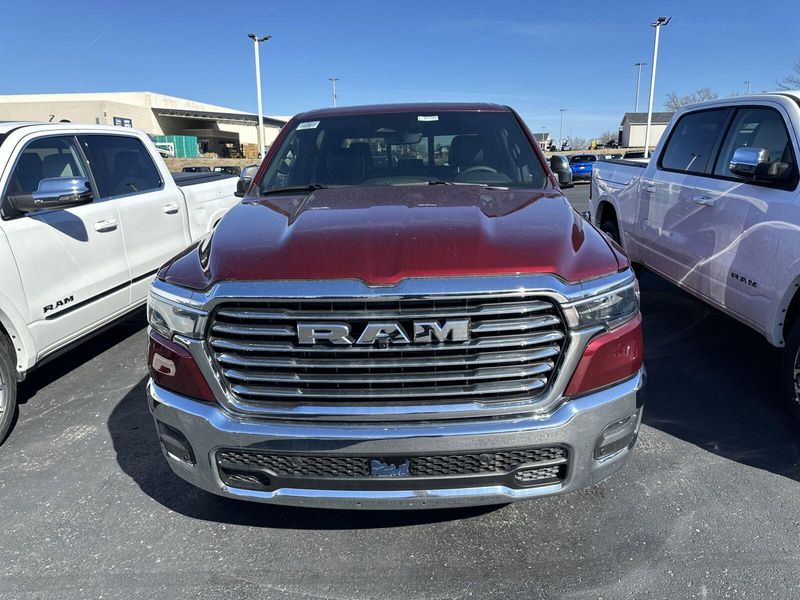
x=311, y=187
x=443, y=182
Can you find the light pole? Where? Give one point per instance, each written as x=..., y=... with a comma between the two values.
x=660, y=22
x=333, y=81
x=561, y=129
x=256, y=41
x=747, y=83
x=638, y=66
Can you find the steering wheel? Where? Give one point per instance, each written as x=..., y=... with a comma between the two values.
x=477, y=168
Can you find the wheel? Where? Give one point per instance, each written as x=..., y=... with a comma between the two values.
x=790, y=373
x=8, y=386
x=610, y=228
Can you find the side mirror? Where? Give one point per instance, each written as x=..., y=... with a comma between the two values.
x=55, y=192
x=747, y=162
x=242, y=186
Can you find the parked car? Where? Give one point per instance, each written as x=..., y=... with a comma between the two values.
x=245, y=179
x=560, y=166
x=89, y=214
x=165, y=149
x=202, y=169
x=581, y=166
x=634, y=154
x=716, y=212
x=418, y=334
x=228, y=169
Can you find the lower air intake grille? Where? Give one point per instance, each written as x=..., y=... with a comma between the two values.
x=552, y=462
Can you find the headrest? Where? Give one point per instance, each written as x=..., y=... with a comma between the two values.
x=59, y=165
x=467, y=151
x=346, y=166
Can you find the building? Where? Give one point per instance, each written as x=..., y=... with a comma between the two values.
x=218, y=129
x=543, y=140
x=634, y=125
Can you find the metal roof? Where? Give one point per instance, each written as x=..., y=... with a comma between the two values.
x=222, y=117
x=640, y=118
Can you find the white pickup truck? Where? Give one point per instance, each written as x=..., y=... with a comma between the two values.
x=87, y=216
x=716, y=211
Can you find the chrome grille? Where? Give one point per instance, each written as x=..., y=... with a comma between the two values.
x=513, y=352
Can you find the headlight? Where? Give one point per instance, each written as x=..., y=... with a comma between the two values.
x=610, y=309
x=169, y=317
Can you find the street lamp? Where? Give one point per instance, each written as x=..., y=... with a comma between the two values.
x=333, y=81
x=660, y=22
x=561, y=129
x=638, y=66
x=747, y=83
x=256, y=41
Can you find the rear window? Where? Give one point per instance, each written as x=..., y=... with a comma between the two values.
x=576, y=158
x=405, y=148
x=692, y=141
x=121, y=165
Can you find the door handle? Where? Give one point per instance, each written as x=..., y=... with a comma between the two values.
x=170, y=209
x=106, y=225
x=704, y=200
x=648, y=189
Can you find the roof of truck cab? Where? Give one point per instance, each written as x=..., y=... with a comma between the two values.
x=9, y=126
x=376, y=109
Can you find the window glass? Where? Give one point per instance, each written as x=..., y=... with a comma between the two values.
x=45, y=158
x=579, y=158
x=121, y=165
x=757, y=128
x=692, y=141
x=406, y=148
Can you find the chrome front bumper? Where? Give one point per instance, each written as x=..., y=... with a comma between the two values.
x=576, y=424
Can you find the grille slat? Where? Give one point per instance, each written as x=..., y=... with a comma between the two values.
x=483, y=358
x=310, y=315
x=514, y=348
x=412, y=377
x=517, y=386
x=509, y=341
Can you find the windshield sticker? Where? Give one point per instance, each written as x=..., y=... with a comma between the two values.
x=428, y=118
x=308, y=125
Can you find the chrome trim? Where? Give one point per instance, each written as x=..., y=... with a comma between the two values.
x=576, y=424
x=540, y=285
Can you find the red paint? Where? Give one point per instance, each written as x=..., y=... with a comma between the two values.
x=609, y=358
x=384, y=234
x=187, y=379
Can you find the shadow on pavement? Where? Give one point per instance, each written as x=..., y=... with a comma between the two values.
x=79, y=355
x=139, y=455
x=714, y=382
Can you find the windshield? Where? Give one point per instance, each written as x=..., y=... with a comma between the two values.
x=485, y=148
x=583, y=158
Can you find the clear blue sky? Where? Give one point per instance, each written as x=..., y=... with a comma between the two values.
x=536, y=56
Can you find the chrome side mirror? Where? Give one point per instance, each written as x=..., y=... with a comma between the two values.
x=242, y=186
x=55, y=192
x=746, y=161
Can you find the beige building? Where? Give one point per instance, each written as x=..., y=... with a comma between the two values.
x=217, y=128
x=634, y=126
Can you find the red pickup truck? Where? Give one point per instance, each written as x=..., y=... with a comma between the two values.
x=403, y=311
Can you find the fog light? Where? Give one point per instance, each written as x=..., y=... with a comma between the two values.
x=175, y=443
x=617, y=436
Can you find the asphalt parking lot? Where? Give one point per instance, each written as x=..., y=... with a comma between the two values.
x=708, y=507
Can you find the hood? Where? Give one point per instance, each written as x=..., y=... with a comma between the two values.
x=384, y=234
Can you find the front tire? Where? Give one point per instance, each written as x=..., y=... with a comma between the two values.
x=8, y=386
x=790, y=373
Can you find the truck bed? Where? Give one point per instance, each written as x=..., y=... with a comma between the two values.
x=186, y=179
